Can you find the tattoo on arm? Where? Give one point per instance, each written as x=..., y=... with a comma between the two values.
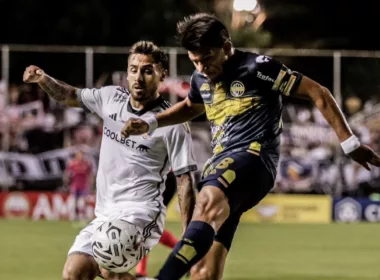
x=186, y=198
x=59, y=91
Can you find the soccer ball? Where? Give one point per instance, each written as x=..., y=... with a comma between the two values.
x=117, y=246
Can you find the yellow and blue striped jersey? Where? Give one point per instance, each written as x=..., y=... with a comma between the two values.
x=244, y=105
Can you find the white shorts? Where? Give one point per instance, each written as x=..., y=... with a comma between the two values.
x=150, y=224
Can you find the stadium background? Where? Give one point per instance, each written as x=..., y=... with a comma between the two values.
x=321, y=219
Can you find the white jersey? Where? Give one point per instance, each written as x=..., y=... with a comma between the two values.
x=132, y=170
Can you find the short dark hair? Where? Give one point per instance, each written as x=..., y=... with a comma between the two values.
x=201, y=31
x=149, y=48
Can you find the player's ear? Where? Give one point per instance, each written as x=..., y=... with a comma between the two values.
x=164, y=75
x=227, y=47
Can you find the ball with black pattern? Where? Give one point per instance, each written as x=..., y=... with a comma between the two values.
x=117, y=246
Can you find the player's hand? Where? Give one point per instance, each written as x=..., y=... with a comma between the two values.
x=134, y=127
x=33, y=74
x=365, y=156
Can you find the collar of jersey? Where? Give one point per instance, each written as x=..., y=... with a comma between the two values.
x=150, y=106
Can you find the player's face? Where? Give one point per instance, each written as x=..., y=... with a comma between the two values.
x=209, y=62
x=144, y=76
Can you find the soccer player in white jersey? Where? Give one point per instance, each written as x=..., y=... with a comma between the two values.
x=131, y=171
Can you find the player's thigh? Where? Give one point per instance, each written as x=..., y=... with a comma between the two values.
x=242, y=176
x=211, y=266
x=80, y=266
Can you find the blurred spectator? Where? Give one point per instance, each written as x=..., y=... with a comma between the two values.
x=78, y=176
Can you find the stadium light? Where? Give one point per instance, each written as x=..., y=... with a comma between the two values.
x=245, y=5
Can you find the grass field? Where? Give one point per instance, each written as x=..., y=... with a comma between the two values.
x=37, y=251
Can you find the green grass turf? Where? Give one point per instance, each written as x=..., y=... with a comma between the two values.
x=37, y=251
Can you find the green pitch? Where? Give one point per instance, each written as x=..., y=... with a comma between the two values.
x=37, y=251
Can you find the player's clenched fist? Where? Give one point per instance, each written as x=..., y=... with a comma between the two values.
x=134, y=127
x=33, y=74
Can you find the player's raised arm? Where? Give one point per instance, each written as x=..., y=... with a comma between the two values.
x=58, y=90
x=326, y=103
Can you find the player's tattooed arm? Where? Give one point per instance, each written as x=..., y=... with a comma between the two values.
x=57, y=90
x=60, y=91
x=186, y=198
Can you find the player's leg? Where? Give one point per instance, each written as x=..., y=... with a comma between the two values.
x=211, y=210
x=80, y=266
x=211, y=267
x=75, y=194
x=234, y=184
x=253, y=182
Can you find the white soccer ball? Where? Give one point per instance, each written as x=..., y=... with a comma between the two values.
x=117, y=246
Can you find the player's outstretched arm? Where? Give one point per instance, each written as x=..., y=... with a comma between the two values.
x=326, y=103
x=179, y=113
x=186, y=198
x=58, y=90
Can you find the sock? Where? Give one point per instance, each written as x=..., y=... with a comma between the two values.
x=195, y=243
x=168, y=239
x=141, y=266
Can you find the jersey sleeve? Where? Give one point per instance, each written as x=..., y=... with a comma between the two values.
x=181, y=150
x=94, y=99
x=194, y=94
x=270, y=74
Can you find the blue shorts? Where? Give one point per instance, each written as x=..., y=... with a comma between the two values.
x=244, y=179
x=79, y=193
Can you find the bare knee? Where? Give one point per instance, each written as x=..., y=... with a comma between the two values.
x=80, y=267
x=70, y=272
x=211, y=206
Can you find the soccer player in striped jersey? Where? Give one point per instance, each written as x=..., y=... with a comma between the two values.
x=241, y=93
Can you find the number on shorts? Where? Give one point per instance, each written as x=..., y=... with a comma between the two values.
x=224, y=163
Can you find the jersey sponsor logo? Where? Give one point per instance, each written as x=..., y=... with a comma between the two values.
x=264, y=77
x=112, y=116
x=262, y=59
x=205, y=87
x=237, y=89
x=125, y=141
x=142, y=148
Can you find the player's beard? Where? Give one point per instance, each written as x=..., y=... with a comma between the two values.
x=143, y=95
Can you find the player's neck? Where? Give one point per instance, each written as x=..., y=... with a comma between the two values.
x=139, y=105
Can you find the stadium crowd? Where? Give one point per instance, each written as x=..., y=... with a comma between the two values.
x=311, y=161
